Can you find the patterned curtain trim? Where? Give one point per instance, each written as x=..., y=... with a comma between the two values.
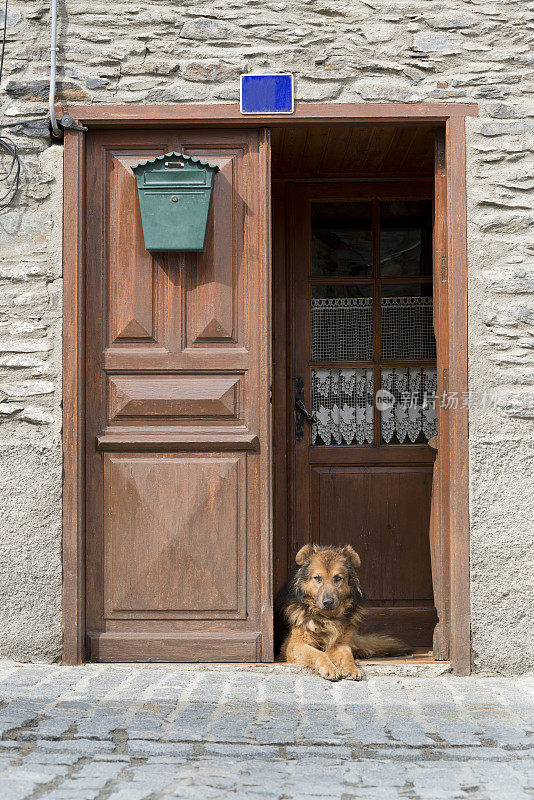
x=407, y=301
x=412, y=410
x=359, y=302
x=343, y=402
x=341, y=302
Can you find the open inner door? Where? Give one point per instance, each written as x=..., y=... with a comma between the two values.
x=361, y=278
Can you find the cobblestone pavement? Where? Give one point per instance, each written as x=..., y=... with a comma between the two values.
x=136, y=733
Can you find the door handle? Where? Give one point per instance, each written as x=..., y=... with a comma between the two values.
x=299, y=405
x=301, y=409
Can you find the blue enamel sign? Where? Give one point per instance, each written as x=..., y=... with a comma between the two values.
x=267, y=94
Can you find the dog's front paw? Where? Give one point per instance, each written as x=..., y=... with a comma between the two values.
x=352, y=674
x=327, y=669
x=347, y=665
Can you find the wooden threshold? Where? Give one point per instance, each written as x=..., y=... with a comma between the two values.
x=421, y=655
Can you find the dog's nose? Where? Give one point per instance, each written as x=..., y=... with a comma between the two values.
x=328, y=601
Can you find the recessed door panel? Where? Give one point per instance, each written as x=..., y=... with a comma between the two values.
x=210, y=396
x=170, y=551
x=383, y=513
x=132, y=274
x=215, y=286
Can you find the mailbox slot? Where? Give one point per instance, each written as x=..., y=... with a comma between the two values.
x=176, y=177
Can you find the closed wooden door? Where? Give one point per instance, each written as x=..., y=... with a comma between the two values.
x=363, y=377
x=178, y=415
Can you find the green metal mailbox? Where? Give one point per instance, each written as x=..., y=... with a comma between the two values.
x=174, y=197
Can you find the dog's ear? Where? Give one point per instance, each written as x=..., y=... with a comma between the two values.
x=352, y=556
x=304, y=553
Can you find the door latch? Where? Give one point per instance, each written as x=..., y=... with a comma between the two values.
x=301, y=409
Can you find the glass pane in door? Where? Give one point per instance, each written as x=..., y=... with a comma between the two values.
x=405, y=237
x=342, y=239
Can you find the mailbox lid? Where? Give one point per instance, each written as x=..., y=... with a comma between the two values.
x=177, y=178
x=174, y=169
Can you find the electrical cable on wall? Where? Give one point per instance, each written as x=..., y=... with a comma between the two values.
x=10, y=176
x=56, y=131
x=19, y=121
x=3, y=42
x=66, y=121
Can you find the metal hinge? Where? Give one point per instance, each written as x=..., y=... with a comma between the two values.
x=445, y=381
x=441, y=156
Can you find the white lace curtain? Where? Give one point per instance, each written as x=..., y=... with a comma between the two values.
x=343, y=403
x=406, y=328
x=412, y=413
x=342, y=328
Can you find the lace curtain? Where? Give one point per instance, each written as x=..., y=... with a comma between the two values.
x=411, y=415
x=406, y=328
x=342, y=329
x=343, y=399
x=343, y=403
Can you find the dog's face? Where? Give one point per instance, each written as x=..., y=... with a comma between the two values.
x=327, y=577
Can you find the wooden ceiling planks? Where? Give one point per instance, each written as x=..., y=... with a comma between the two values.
x=355, y=151
x=338, y=144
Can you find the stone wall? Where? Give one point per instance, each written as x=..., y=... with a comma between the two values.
x=339, y=50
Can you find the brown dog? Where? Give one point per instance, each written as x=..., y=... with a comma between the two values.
x=322, y=605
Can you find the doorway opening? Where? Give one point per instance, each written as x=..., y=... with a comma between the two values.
x=354, y=266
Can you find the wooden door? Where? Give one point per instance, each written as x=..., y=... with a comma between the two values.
x=178, y=414
x=360, y=307
x=439, y=520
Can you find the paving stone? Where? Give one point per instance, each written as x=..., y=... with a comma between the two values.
x=146, y=749
x=132, y=734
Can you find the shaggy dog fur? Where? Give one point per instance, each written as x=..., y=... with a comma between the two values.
x=320, y=608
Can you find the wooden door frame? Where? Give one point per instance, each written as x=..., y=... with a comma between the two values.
x=452, y=117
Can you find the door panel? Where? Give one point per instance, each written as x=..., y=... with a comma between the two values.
x=154, y=566
x=378, y=511
x=168, y=396
x=178, y=415
x=215, y=287
x=132, y=284
x=360, y=308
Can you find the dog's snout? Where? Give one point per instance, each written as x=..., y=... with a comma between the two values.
x=328, y=601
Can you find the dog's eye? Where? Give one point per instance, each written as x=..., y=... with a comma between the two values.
x=338, y=578
x=317, y=579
